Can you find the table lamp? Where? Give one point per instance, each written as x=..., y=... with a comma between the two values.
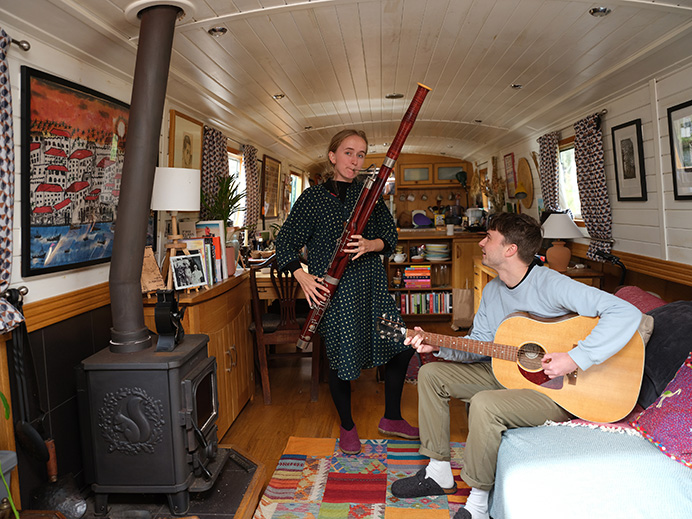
x=175, y=189
x=559, y=226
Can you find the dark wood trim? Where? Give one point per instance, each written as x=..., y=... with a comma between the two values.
x=680, y=273
x=56, y=309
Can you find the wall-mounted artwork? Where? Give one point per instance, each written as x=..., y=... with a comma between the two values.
x=510, y=174
x=628, y=155
x=680, y=134
x=73, y=146
x=271, y=173
x=185, y=142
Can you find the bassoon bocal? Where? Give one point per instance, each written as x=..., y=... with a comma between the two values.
x=369, y=195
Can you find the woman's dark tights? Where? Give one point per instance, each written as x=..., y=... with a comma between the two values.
x=394, y=376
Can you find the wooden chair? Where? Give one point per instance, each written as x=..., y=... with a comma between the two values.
x=271, y=329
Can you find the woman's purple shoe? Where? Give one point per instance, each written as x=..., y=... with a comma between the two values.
x=399, y=428
x=349, y=443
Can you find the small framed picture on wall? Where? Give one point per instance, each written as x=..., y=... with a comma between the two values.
x=628, y=158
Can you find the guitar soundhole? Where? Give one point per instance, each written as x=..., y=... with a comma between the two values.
x=530, y=356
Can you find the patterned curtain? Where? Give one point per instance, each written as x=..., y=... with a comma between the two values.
x=253, y=198
x=549, y=170
x=593, y=192
x=214, y=164
x=9, y=316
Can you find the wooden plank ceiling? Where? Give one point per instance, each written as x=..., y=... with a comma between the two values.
x=335, y=60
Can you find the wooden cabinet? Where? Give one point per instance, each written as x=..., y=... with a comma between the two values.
x=430, y=174
x=447, y=173
x=411, y=175
x=465, y=249
x=223, y=313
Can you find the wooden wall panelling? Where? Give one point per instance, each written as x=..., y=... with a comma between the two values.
x=670, y=280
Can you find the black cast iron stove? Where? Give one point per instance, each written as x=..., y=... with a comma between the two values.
x=149, y=422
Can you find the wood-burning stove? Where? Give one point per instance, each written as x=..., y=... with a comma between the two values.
x=148, y=422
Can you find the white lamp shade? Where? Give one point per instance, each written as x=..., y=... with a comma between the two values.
x=176, y=189
x=561, y=226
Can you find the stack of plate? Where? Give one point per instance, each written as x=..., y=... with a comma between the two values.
x=437, y=252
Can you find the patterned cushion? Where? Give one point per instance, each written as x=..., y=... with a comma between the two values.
x=642, y=299
x=667, y=423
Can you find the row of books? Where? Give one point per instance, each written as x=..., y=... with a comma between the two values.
x=425, y=303
x=417, y=276
x=210, y=242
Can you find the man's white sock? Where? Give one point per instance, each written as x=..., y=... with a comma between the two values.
x=477, y=503
x=440, y=472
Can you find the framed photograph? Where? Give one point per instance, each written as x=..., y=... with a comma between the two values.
x=628, y=157
x=680, y=134
x=185, y=142
x=510, y=175
x=188, y=271
x=271, y=174
x=73, y=146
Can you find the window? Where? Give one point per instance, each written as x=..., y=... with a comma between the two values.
x=569, y=192
x=235, y=161
x=296, y=188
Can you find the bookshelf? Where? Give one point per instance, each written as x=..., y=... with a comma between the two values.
x=425, y=292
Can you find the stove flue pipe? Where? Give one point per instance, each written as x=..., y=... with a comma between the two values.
x=157, y=26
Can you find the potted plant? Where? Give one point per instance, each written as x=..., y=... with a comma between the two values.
x=222, y=206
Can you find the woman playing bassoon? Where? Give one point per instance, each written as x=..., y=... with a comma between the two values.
x=348, y=325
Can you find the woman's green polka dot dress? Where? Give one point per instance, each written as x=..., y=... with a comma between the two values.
x=348, y=327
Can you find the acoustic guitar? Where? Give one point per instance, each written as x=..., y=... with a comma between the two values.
x=605, y=392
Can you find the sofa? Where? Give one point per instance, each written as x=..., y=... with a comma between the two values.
x=638, y=467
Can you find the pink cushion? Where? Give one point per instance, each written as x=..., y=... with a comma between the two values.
x=644, y=301
x=667, y=423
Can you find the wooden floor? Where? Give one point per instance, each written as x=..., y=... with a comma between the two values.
x=261, y=430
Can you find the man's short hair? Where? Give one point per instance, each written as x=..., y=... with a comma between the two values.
x=520, y=229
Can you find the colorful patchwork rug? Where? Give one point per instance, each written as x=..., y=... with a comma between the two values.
x=315, y=480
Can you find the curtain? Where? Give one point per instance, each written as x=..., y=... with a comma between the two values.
x=9, y=316
x=591, y=180
x=549, y=170
x=214, y=164
x=252, y=178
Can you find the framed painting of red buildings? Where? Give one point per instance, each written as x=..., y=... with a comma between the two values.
x=73, y=144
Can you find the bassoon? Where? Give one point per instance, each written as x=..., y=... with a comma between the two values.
x=369, y=195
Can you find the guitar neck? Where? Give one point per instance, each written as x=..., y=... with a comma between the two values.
x=489, y=349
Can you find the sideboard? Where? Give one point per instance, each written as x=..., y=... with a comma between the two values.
x=223, y=313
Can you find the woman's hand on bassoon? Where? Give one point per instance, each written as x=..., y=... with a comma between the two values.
x=312, y=287
x=359, y=246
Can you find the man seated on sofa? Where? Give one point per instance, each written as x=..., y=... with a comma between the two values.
x=521, y=285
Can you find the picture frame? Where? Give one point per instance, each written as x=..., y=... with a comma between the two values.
x=628, y=159
x=188, y=271
x=271, y=185
x=510, y=175
x=185, y=141
x=679, y=130
x=73, y=148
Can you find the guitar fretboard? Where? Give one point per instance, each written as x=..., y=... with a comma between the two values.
x=490, y=349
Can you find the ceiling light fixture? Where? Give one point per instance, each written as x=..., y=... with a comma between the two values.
x=599, y=12
x=394, y=95
x=278, y=96
x=516, y=86
x=217, y=32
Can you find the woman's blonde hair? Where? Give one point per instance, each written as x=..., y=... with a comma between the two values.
x=336, y=141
